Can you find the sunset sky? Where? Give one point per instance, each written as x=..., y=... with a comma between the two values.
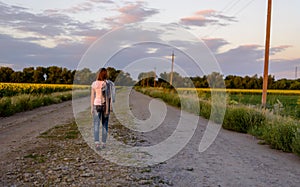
x=44, y=33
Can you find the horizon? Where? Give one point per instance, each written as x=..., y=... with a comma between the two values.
x=224, y=76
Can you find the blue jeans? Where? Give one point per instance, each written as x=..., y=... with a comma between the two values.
x=104, y=119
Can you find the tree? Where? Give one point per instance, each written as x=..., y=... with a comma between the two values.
x=200, y=82
x=66, y=76
x=17, y=77
x=53, y=75
x=28, y=74
x=84, y=76
x=271, y=80
x=124, y=79
x=145, y=77
x=112, y=73
x=295, y=85
x=280, y=84
x=254, y=83
x=237, y=81
x=178, y=80
x=5, y=74
x=215, y=80
x=38, y=75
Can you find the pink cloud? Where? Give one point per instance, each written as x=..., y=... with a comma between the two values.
x=90, y=39
x=131, y=13
x=205, y=12
x=207, y=17
x=82, y=7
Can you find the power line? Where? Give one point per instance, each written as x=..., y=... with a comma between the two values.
x=231, y=4
x=244, y=7
x=234, y=15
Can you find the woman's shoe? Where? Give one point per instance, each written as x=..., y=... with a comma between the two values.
x=97, y=146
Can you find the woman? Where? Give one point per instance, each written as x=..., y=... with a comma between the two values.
x=102, y=93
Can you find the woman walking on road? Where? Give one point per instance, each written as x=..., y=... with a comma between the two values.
x=102, y=96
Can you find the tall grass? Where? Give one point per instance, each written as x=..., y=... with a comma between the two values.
x=24, y=102
x=280, y=132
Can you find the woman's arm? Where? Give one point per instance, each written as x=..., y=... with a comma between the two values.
x=92, y=100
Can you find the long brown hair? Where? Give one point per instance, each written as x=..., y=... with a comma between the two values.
x=102, y=74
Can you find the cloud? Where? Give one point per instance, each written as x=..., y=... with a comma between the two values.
x=131, y=13
x=244, y=59
x=207, y=17
x=249, y=60
x=86, y=6
x=82, y=7
x=214, y=44
x=45, y=26
x=102, y=1
x=151, y=50
x=279, y=49
x=21, y=53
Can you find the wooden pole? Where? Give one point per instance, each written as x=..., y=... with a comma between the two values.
x=147, y=79
x=154, y=84
x=172, y=67
x=267, y=51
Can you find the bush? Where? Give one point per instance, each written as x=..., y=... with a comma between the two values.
x=242, y=119
x=280, y=134
x=296, y=143
x=20, y=103
x=205, y=109
x=5, y=107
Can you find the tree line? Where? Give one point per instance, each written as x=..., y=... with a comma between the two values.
x=215, y=80
x=60, y=75
x=51, y=75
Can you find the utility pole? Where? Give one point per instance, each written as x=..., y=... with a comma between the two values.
x=154, y=77
x=267, y=51
x=172, y=67
x=296, y=72
x=147, y=79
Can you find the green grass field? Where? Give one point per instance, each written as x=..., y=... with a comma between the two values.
x=282, y=102
x=286, y=105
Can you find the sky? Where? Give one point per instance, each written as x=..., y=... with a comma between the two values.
x=45, y=33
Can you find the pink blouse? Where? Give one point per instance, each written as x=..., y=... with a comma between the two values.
x=97, y=86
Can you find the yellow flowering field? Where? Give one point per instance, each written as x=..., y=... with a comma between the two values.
x=257, y=91
x=11, y=89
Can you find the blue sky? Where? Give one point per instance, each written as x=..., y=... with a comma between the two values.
x=44, y=33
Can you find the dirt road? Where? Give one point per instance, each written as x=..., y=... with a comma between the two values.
x=232, y=160
x=17, y=130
